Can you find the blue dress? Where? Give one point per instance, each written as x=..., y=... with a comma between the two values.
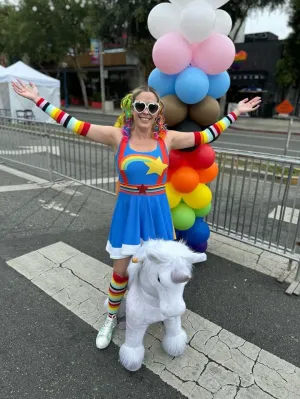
x=142, y=210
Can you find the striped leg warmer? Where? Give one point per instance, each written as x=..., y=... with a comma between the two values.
x=116, y=293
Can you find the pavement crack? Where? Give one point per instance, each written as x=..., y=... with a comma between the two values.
x=46, y=257
x=276, y=371
x=255, y=361
x=80, y=278
x=238, y=387
x=266, y=392
x=205, y=367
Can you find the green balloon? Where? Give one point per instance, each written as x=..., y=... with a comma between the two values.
x=200, y=213
x=183, y=217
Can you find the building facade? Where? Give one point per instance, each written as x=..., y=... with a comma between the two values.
x=257, y=74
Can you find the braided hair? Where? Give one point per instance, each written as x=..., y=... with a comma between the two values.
x=125, y=120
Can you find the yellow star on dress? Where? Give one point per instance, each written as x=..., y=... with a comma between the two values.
x=156, y=166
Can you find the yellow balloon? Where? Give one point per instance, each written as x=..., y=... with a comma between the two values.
x=199, y=198
x=174, y=197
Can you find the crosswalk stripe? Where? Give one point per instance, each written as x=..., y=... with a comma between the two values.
x=217, y=364
x=290, y=215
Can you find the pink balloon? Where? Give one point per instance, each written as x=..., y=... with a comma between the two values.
x=172, y=53
x=214, y=55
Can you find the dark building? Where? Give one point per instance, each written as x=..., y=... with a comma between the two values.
x=256, y=75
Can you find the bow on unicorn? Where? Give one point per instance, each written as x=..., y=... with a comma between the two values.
x=157, y=278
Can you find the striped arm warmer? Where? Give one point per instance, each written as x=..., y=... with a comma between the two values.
x=213, y=132
x=64, y=119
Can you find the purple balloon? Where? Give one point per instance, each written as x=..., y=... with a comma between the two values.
x=200, y=247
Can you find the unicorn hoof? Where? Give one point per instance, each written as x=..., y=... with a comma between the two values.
x=175, y=345
x=132, y=358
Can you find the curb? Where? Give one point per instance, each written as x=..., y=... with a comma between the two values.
x=88, y=111
x=261, y=131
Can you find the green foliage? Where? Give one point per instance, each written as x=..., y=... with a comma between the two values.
x=45, y=35
x=288, y=68
x=109, y=18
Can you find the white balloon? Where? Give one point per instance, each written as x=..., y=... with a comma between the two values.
x=217, y=3
x=181, y=3
x=223, y=22
x=163, y=18
x=197, y=21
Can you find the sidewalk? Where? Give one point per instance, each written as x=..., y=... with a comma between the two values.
x=270, y=125
x=258, y=125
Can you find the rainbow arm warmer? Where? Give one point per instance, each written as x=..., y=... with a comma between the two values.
x=213, y=132
x=64, y=119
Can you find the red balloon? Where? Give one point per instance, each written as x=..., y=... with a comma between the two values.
x=176, y=160
x=202, y=157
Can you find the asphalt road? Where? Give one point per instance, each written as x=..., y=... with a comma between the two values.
x=48, y=352
x=230, y=139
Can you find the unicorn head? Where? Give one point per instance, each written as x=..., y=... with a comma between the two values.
x=163, y=269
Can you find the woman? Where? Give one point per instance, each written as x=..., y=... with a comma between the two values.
x=142, y=145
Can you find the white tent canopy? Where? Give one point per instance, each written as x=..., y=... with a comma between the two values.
x=49, y=88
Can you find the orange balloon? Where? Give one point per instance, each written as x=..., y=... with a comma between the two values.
x=185, y=179
x=209, y=174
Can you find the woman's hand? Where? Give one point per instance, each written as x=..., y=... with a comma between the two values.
x=245, y=106
x=28, y=92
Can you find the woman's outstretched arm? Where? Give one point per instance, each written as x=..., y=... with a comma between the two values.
x=181, y=140
x=108, y=135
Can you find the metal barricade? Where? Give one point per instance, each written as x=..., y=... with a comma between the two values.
x=256, y=200
x=52, y=148
x=255, y=196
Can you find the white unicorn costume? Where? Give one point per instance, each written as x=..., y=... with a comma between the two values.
x=157, y=277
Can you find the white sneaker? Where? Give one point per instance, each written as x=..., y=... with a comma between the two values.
x=105, y=333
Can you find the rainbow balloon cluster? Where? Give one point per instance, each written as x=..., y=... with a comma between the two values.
x=188, y=195
x=192, y=54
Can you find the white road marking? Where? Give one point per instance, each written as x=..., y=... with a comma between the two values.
x=43, y=183
x=217, y=363
x=57, y=207
x=31, y=150
x=289, y=216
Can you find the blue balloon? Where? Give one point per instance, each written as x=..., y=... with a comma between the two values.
x=218, y=84
x=191, y=85
x=164, y=84
x=198, y=233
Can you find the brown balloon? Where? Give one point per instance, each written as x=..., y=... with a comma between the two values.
x=175, y=111
x=206, y=112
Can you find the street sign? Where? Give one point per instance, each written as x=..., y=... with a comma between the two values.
x=285, y=107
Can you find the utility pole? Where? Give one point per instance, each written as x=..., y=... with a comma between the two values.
x=102, y=78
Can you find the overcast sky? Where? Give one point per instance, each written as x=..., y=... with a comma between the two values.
x=266, y=21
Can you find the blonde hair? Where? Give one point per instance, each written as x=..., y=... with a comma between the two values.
x=125, y=120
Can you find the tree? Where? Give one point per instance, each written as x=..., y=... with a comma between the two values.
x=115, y=17
x=288, y=67
x=48, y=31
x=239, y=10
